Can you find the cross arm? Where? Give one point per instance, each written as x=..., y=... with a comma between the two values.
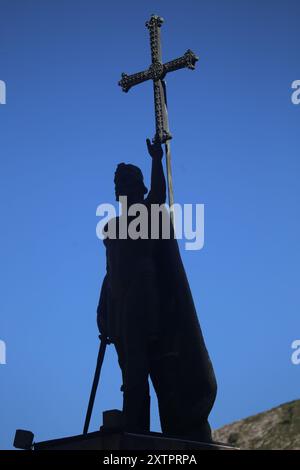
x=128, y=81
x=188, y=60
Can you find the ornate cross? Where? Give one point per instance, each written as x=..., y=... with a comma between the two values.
x=157, y=72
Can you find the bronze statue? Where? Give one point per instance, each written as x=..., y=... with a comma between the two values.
x=146, y=309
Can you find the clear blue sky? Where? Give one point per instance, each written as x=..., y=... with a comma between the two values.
x=64, y=128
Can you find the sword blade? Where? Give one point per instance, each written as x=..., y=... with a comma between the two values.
x=100, y=359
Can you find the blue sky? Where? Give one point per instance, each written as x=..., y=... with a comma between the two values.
x=64, y=128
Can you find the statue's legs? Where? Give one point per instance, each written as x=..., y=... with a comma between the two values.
x=180, y=370
x=164, y=377
x=136, y=398
x=138, y=326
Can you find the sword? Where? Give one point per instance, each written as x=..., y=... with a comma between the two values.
x=100, y=358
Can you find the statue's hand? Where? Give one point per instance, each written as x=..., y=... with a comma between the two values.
x=103, y=336
x=105, y=339
x=155, y=150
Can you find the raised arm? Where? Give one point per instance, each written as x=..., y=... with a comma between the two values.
x=157, y=193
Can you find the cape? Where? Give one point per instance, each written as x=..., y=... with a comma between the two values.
x=182, y=331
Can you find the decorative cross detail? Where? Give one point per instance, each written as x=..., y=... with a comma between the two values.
x=157, y=72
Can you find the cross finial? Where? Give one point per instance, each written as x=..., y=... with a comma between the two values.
x=154, y=21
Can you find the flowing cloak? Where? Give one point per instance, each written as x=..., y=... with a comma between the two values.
x=148, y=277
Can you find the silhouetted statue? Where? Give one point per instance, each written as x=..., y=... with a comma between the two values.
x=146, y=309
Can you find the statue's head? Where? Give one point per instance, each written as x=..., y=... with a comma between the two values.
x=129, y=181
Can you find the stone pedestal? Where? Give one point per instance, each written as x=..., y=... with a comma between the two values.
x=116, y=440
